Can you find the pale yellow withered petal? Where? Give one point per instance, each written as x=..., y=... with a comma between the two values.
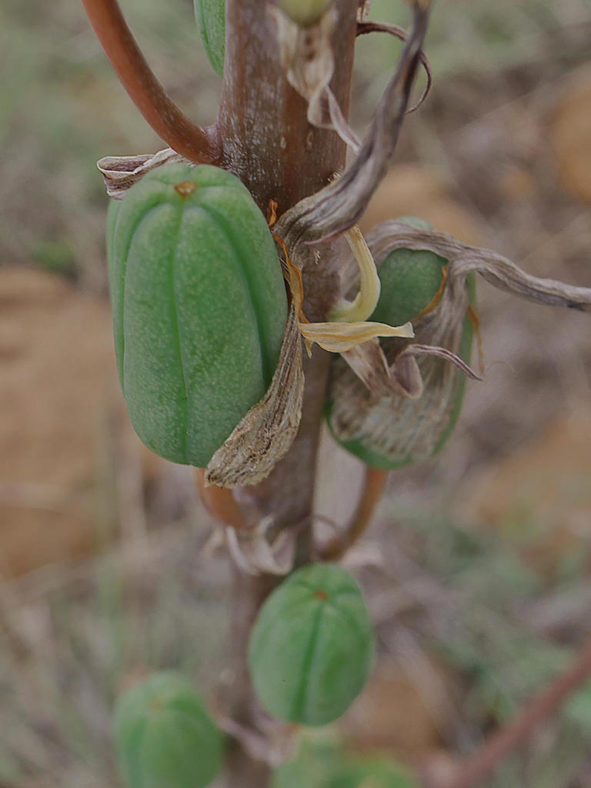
x=340, y=337
x=369, y=290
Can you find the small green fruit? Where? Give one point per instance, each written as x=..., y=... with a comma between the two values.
x=372, y=773
x=410, y=281
x=164, y=735
x=199, y=307
x=312, y=646
x=211, y=20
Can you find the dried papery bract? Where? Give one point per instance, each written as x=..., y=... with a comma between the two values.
x=308, y=62
x=491, y=266
x=121, y=172
x=381, y=420
x=411, y=408
x=267, y=431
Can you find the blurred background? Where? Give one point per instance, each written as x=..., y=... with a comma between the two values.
x=106, y=566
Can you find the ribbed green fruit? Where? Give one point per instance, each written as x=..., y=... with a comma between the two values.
x=375, y=772
x=164, y=735
x=211, y=20
x=312, y=646
x=199, y=307
x=410, y=280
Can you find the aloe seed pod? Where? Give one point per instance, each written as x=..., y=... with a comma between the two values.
x=164, y=735
x=199, y=307
x=312, y=646
x=211, y=20
x=393, y=430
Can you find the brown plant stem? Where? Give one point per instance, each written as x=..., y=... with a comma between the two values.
x=167, y=120
x=269, y=144
x=373, y=487
x=472, y=771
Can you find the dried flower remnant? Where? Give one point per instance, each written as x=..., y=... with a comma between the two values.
x=308, y=62
x=370, y=412
x=346, y=327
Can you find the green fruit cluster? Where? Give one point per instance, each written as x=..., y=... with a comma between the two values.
x=312, y=646
x=199, y=307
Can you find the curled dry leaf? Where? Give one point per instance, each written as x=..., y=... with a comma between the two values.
x=465, y=259
x=364, y=27
x=439, y=352
x=121, y=172
x=267, y=431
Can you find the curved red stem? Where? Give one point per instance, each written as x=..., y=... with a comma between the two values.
x=373, y=487
x=191, y=141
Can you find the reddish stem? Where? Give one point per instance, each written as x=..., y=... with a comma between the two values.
x=163, y=115
x=472, y=771
x=373, y=487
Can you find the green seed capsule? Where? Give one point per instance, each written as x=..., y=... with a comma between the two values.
x=199, y=307
x=312, y=646
x=165, y=737
x=211, y=20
